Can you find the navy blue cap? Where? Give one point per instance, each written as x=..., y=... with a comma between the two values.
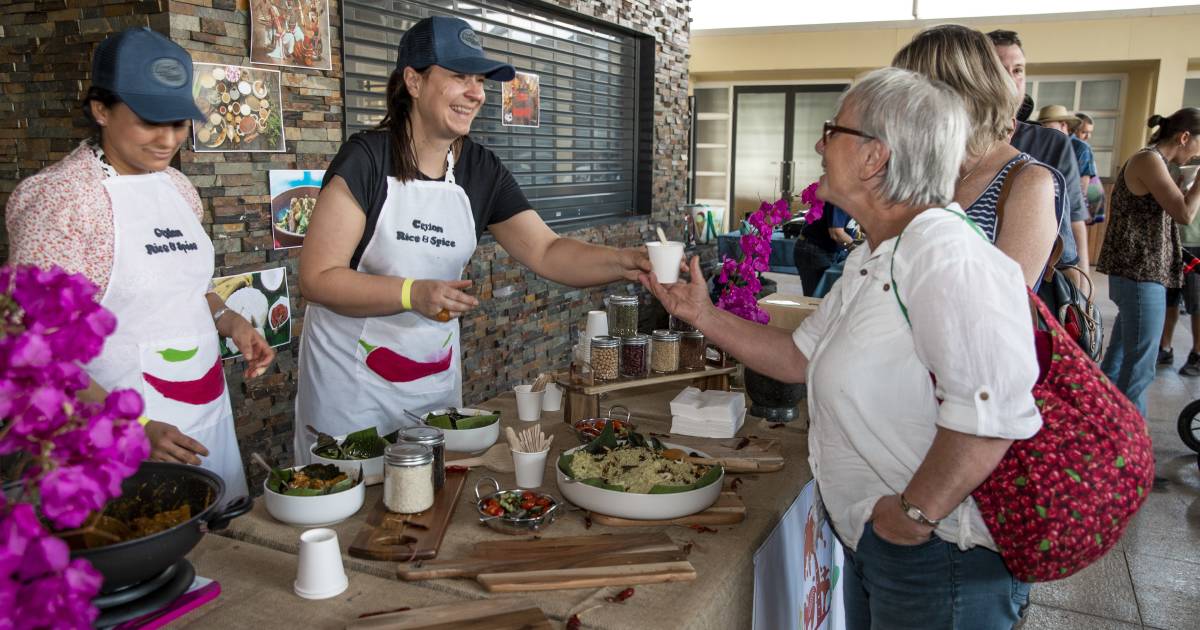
x=149, y=73
x=450, y=43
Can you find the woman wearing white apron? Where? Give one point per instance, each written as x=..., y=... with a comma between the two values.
x=115, y=211
x=397, y=220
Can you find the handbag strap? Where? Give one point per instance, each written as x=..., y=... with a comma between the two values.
x=896, y=248
x=1006, y=188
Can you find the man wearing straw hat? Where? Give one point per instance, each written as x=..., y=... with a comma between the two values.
x=1059, y=118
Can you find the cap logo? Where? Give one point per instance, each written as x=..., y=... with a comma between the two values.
x=468, y=37
x=169, y=72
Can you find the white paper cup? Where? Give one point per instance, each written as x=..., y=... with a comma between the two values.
x=665, y=259
x=529, y=404
x=319, y=574
x=552, y=398
x=597, y=325
x=530, y=468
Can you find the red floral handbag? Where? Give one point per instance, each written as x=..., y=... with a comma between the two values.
x=1058, y=501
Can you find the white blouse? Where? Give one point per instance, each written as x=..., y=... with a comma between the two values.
x=871, y=400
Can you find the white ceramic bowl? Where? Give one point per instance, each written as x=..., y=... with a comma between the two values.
x=372, y=468
x=647, y=507
x=317, y=511
x=469, y=440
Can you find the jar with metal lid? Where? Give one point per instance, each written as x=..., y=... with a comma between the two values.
x=634, y=359
x=691, y=350
x=436, y=441
x=407, y=478
x=664, y=353
x=604, y=358
x=678, y=325
x=622, y=315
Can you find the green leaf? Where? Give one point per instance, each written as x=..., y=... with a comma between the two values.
x=1120, y=461
x=442, y=421
x=1040, y=510
x=1076, y=515
x=1044, y=545
x=363, y=444
x=178, y=356
x=1099, y=539
x=1020, y=482
x=279, y=479
x=1073, y=475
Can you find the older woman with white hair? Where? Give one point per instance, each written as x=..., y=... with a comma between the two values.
x=895, y=452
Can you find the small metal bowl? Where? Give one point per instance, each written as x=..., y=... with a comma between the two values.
x=589, y=429
x=509, y=525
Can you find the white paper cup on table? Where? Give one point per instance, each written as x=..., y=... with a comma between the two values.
x=319, y=574
x=552, y=398
x=665, y=259
x=597, y=324
x=530, y=468
x=529, y=404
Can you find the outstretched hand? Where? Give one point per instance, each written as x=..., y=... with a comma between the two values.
x=685, y=300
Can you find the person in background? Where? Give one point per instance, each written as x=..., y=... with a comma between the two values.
x=822, y=244
x=1094, y=190
x=1046, y=146
x=1060, y=119
x=114, y=210
x=894, y=468
x=1188, y=295
x=399, y=215
x=963, y=58
x=1141, y=252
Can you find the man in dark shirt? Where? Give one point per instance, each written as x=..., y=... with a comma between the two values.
x=1046, y=145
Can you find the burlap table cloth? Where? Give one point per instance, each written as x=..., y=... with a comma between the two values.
x=721, y=597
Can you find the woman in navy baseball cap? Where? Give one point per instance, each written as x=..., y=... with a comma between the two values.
x=115, y=210
x=398, y=218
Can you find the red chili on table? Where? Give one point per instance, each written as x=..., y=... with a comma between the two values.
x=704, y=529
x=573, y=623
x=620, y=597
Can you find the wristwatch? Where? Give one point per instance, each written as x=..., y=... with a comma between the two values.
x=915, y=513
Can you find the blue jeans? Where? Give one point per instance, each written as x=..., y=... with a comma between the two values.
x=930, y=586
x=1133, y=345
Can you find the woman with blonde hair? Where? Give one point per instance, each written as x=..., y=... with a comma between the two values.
x=964, y=59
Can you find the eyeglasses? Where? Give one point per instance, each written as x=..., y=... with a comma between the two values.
x=829, y=129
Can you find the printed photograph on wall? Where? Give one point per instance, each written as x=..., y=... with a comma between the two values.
x=262, y=298
x=241, y=108
x=521, y=101
x=293, y=196
x=290, y=33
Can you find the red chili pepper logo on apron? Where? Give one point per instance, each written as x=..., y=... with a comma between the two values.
x=397, y=368
x=201, y=391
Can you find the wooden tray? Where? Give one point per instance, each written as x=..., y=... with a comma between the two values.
x=483, y=614
x=403, y=537
x=728, y=510
x=759, y=455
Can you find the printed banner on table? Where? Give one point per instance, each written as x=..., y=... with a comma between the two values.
x=521, y=101
x=290, y=33
x=798, y=571
x=293, y=197
x=241, y=107
x=262, y=298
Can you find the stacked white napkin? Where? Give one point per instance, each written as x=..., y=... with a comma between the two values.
x=711, y=414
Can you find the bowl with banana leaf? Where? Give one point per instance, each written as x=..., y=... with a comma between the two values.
x=314, y=495
x=348, y=452
x=466, y=430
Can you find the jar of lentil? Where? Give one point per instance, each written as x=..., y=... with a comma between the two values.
x=691, y=350
x=435, y=440
x=634, y=362
x=664, y=354
x=408, y=478
x=622, y=315
x=604, y=358
x=678, y=325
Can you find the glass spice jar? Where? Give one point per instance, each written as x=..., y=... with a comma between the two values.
x=678, y=325
x=664, y=355
x=604, y=358
x=433, y=438
x=622, y=315
x=633, y=356
x=691, y=350
x=407, y=478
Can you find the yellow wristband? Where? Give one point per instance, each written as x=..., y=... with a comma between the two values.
x=406, y=294
x=143, y=420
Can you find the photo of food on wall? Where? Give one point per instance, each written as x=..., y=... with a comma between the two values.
x=293, y=197
x=241, y=108
x=521, y=101
x=262, y=298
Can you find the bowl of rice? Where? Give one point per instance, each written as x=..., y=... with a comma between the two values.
x=637, y=482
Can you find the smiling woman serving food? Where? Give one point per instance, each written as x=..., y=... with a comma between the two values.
x=399, y=215
x=115, y=211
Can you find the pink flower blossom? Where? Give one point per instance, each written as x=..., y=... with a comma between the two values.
x=740, y=279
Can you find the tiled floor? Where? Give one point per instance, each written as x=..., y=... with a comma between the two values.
x=1152, y=578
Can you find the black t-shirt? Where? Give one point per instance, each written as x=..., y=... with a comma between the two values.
x=365, y=162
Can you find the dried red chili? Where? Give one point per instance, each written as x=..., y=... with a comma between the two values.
x=573, y=623
x=742, y=443
x=587, y=522
x=777, y=425
x=620, y=597
x=457, y=469
x=704, y=529
x=736, y=482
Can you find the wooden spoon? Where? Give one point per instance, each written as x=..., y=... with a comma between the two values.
x=661, y=235
x=498, y=458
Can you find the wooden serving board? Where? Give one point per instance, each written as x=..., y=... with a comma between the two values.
x=759, y=455
x=401, y=537
x=728, y=510
x=482, y=614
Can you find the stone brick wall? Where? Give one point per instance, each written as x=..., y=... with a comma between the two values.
x=526, y=324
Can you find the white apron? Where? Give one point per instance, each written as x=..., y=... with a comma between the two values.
x=361, y=372
x=165, y=344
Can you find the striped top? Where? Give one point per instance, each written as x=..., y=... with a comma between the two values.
x=983, y=210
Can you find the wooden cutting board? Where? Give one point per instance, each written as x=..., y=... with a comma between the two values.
x=564, y=563
x=403, y=537
x=728, y=510
x=759, y=455
x=483, y=614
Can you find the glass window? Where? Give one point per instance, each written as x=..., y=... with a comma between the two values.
x=1101, y=95
x=1055, y=93
x=1104, y=132
x=1191, y=93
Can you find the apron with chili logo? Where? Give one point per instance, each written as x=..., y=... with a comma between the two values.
x=361, y=372
x=166, y=345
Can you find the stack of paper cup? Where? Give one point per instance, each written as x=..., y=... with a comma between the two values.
x=529, y=403
x=552, y=400
x=597, y=325
x=320, y=574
